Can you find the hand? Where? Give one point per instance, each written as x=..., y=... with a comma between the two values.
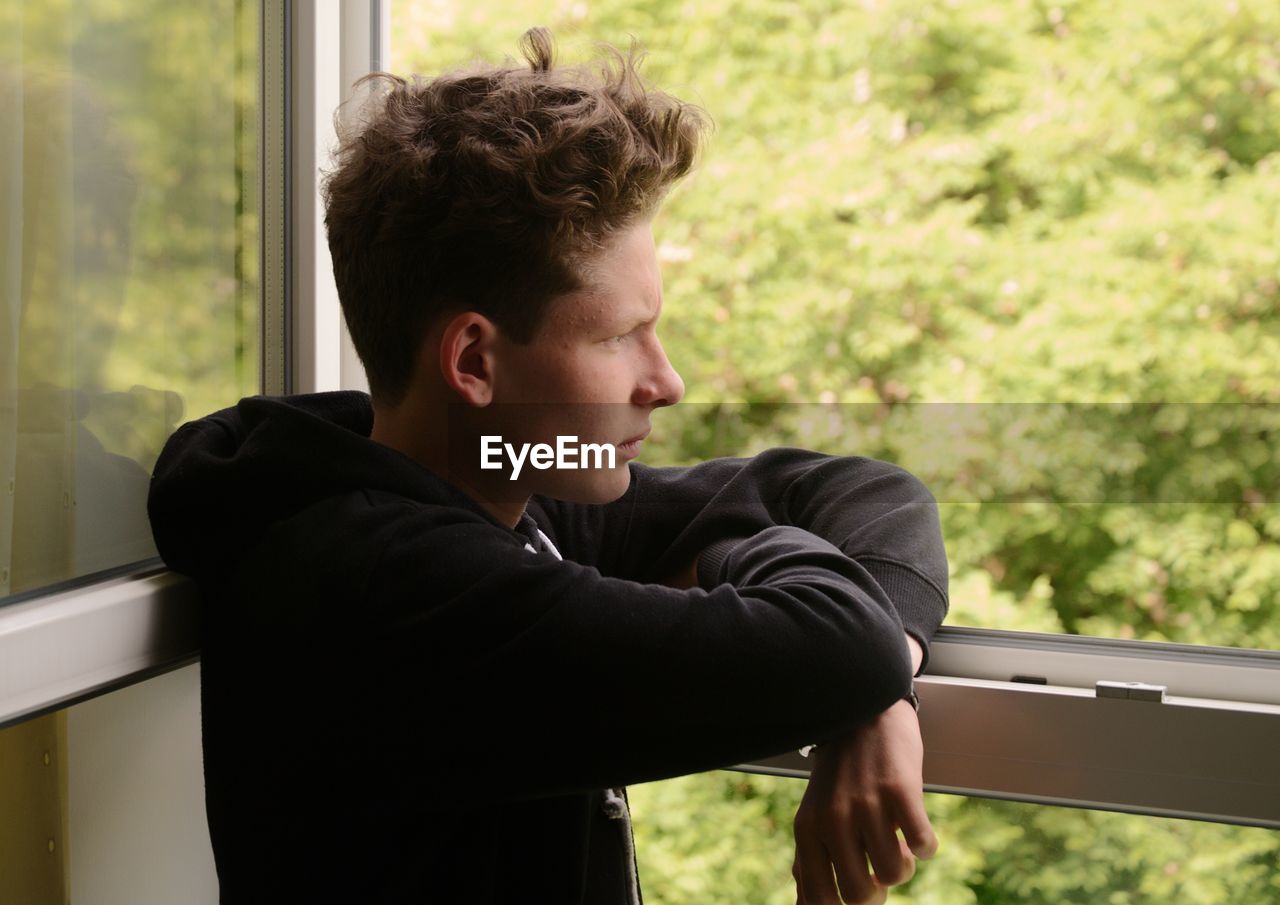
x=863, y=787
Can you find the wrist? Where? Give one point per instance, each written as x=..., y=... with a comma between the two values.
x=916, y=650
x=911, y=699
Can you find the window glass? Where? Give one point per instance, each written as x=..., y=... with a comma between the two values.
x=726, y=838
x=128, y=262
x=1027, y=250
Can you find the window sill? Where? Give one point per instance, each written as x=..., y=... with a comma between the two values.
x=73, y=645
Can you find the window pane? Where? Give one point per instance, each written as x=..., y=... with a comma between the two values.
x=726, y=838
x=1026, y=250
x=128, y=262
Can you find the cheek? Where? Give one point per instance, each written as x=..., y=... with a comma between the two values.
x=569, y=374
x=591, y=376
x=544, y=379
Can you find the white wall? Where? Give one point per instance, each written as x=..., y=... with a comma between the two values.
x=136, y=825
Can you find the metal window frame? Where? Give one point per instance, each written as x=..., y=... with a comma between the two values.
x=71, y=646
x=1195, y=748
x=331, y=46
x=277, y=148
x=312, y=55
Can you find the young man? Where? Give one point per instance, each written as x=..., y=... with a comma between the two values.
x=426, y=679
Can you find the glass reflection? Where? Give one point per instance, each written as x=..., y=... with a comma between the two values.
x=128, y=288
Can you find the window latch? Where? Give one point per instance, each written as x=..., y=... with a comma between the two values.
x=1131, y=691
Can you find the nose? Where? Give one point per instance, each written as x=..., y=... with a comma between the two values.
x=661, y=385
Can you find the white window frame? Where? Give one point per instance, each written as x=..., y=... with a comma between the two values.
x=334, y=44
x=1204, y=750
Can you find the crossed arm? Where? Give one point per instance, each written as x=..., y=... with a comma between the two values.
x=863, y=787
x=866, y=784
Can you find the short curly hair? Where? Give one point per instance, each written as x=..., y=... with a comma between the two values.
x=489, y=189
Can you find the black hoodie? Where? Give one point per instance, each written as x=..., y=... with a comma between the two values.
x=405, y=700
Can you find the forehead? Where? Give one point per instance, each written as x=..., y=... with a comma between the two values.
x=623, y=283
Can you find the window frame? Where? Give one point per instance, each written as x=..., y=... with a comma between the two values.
x=1195, y=753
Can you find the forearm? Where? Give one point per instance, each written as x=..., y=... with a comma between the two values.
x=875, y=513
x=688, y=578
x=703, y=567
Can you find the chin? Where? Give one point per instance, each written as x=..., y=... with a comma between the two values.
x=592, y=487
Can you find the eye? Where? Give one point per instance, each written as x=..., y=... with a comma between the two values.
x=616, y=340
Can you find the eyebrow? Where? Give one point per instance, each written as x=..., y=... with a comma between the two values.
x=631, y=320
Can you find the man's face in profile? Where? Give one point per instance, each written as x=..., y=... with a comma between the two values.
x=595, y=370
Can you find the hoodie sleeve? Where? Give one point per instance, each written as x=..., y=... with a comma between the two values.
x=876, y=513
x=546, y=677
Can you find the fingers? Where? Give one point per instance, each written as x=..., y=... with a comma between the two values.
x=891, y=863
x=878, y=895
x=849, y=857
x=916, y=828
x=815, y=884
x=812, y=870
x=845, y=853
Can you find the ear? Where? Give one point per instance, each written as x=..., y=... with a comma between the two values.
x=467, y=357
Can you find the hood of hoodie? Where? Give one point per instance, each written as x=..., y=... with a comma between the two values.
x=223, y=480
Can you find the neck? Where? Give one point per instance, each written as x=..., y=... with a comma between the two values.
x=421, y=431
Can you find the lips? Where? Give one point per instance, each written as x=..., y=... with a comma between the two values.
x=632, y=446
x=634, y=440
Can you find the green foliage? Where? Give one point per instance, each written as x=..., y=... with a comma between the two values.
x=730, y=853
x=911, y=216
